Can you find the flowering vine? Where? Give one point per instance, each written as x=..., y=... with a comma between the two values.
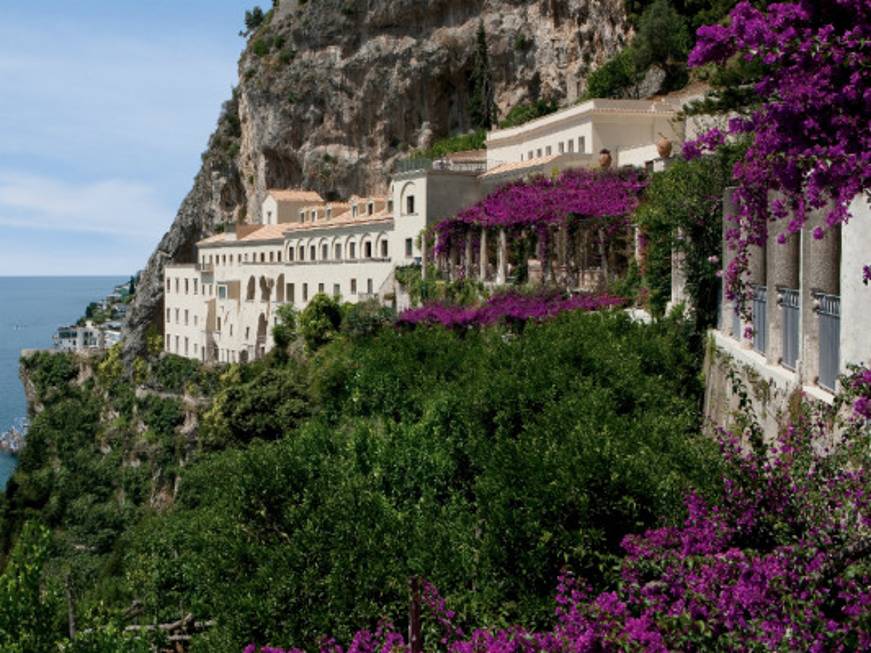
x=810, y=138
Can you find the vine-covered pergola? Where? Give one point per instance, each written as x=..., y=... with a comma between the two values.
x=574, y=225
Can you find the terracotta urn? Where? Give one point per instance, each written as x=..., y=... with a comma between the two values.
x=604, y=159
x=663, y=146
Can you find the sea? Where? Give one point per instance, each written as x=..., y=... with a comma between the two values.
x=32, y=310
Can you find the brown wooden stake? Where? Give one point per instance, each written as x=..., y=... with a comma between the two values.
x=414, y=639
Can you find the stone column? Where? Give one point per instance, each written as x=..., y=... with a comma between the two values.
x=855, y=295
x=482, y=256
x=468, y=267
x=678, y=276
x=502, y=258
x=820, y=273
x=782, y=263
x=732, y=324
x=423, y=255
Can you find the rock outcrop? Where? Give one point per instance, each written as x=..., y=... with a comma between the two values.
x=332, y=92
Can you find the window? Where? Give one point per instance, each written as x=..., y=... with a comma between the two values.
x=325, y=251
x=302, y=216
x=269, y=217
x=278, y=256
x=562, y=147
x=168, y=342
x=409, y=247
x=187, y=286
x=571, y=146
x=176, y=344
x=222, y=292
x=521, y=156
x=338, y=252
x=547, y=151
x=196, y=284
x=369, y=286
x=186, y=317
x=314, y=215
x=336, y=290
x=320, y=287
x=529, y=155
x=370, y=208
x=353, y=286
x=305, y=292
x=312, y=252
x=390, y=206
x=186, y=341
x=352, y=250
x=219, y=324
x=169, y=285
x=538, y=153
x=196, y=348
x=231, y=329
x=582, y=147
x=409, y=205
x=270, y=257
x=290, y=254
x=384, y=248
x=367, y=249
x=196, y=320
x=177, y=313
x=291, y=293
x=329, y=212
x=176, y=285
x=301, y=253
x=354, y=211
x=262, y=257
x=168, y=316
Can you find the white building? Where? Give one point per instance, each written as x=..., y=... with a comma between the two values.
x=223, y=306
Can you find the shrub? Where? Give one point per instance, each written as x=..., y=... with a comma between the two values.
x=320, y=321
x=284, y=331
x=365, y=319
x=523, y=113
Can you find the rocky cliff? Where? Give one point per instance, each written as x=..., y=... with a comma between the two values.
x=332, y=92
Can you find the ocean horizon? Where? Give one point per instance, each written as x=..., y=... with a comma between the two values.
x=35, y=306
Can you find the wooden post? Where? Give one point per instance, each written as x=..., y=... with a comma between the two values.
x=482, y=256
x=415, y=642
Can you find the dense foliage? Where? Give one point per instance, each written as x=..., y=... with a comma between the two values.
x=809, y=138
x=778, y=563
x=526, y=111
x=681, y=212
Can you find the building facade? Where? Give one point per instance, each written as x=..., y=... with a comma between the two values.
x=222, y=306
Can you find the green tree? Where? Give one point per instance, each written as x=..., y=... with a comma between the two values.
x=482, y=107
x=253, y=20
x=285, y=329
x=662, y=39
x=320, y=321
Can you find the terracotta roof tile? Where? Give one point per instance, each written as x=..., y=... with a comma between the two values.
x=295, y=196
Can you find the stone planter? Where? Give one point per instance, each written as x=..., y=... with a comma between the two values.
x=604, y=159
x=664, y=147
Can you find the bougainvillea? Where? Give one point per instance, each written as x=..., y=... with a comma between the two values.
x=810, y=139
x=778, y=563
x=511, y=307
x=544, y=201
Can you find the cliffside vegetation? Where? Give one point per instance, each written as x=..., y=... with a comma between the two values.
x=295, y=496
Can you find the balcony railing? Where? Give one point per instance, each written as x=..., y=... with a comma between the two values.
x=760, y=323
x=788, y=300
x=828, y=307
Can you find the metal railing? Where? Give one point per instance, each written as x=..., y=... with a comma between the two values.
x=788, y=300
x=828, y=307
x=760, y=323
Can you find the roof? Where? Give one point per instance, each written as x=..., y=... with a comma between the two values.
x=295, y=196
x=253, y=234
x=343, y=220
x=518, y=166
x=467, y=155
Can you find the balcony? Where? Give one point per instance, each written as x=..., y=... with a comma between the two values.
x=206, y=268
x=760, y=319
x=788, y=301
x=828, y=308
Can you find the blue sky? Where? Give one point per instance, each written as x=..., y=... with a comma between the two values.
x=105, y=107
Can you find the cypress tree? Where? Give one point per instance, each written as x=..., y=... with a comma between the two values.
x=482, y=108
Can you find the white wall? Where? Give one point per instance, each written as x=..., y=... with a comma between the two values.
x=855, y=295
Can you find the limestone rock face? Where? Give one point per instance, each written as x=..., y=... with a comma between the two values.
x=332, y=92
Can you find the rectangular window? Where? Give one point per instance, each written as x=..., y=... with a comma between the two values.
x=168, y=342
x=186, y=317
x=305, y=292
x=302, y=216
x=196, y=320
x=186, y=344
x=177, y=313
x=336, y=290
x=547, y=151
x=169, y=286
x=383, y=249
x=168, y=316
x=353, y=286
x=367, y=250
x=409, y=247
x=291, y=293
x=196, y=286
x=352, y=250
x=301, y=253
x=571, y=146
x=247, y=333
x=582, y=147
x=271, y=254
x=562, y=147
x=278, y=255
x=320, y=288
x=311, y=253
x=325, y=251
x=290, y=254
x=176, y=344
x=529, y=155
x=370, y=208
x=354, y=211
x=369, y=286
x=409, y=205
x=390, y=206
x=176, y=285
x=338, y=252
x=538, y=153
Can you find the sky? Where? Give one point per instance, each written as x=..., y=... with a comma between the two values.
x=105, y=108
